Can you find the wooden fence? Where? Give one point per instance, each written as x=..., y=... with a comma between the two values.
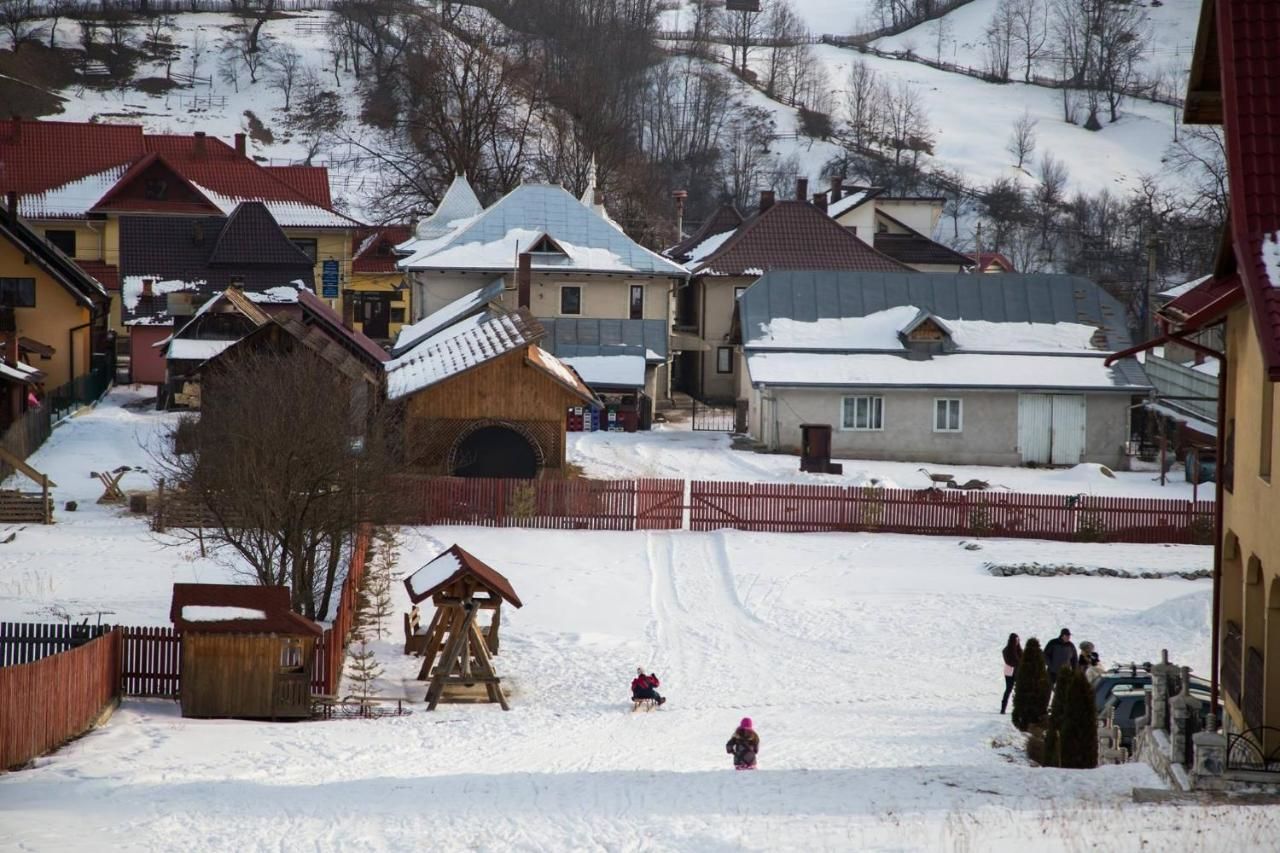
x=26, y=642
x=49, y=701
x=788, y=508
x=331, y=649
x=151, y=661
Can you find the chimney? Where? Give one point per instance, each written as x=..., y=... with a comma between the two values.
x=837, y=188
x=240, y=144
x=199, y=146
x=598, y=199
x=524, y=280
x=679, y=196
x=147, y=284
x=11, y=346
x=11, y=204
x=802, y=189
x=820, y=201
x=766, y=200
x=237, y=282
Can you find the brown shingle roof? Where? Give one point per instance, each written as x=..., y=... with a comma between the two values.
x=794, y=235
x=272, y=600
x=467, y=564
x=726, y=218
x=251, y=236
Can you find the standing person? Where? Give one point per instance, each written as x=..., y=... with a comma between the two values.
x=1059, y=652
x=1090, y=663
x=1012, y=654
x=744, y=746
x=643, y=686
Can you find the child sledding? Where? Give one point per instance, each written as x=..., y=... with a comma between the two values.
x=644, y=692
x=744, y=746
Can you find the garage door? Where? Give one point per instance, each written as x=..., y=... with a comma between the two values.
x=1051, y=428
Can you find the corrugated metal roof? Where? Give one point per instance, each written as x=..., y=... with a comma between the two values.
x=459, y=348
x=459, y=309
x=575, y=337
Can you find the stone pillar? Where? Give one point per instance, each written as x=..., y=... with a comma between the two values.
x=1210, y=758
x=1159, y=703
x=1180, y=719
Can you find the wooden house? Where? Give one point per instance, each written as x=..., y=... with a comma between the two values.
x=245, y=653
x=479, y=397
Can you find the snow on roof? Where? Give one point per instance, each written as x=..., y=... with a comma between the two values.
x=456, y=310
x=609, y=371
x=287, y=214
x=881, y=331
x=195, y=349
x=707, y=246
x=434, y=573
x=212, y=613
x=1271, y=258
x=21, y=372
x=466, y=344
x=458, y=203
x=74, y=198
x=1175, y=292
x=492, y=240
x=848, y=202
x=957, y=370
x=131, y=288
x=561, y=372
x=283, y=294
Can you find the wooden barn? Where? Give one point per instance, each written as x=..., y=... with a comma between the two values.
x=245, y=653
x=480, y=398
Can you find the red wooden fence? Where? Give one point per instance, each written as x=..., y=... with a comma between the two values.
x=331, y=649
x=25, y=642
x=796, y=508
x=50, y=701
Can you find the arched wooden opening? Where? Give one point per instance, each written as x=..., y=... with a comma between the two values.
x=496, y=449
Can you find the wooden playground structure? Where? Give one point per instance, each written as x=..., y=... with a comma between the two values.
x=457, y=654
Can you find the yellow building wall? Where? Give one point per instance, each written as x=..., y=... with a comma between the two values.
x=1251, y=514
x=330, y=246
x=385, y=283
x=55, y=314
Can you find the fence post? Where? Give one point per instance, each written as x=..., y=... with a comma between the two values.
x=160, y=506
x=46, y=510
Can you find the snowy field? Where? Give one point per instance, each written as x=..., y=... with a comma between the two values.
x=869, y=663
x=682, y=454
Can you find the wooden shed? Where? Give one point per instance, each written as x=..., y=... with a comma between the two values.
x=245, y=653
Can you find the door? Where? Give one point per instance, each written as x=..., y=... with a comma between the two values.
x=1051, y=428
x=377, y=313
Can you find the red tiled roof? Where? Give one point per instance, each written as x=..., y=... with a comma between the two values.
x=367, y=257
x=726, y=218
x=794, y=235
x=271, y=600
x=215, y=165
x=107, y=275
x=311, y=181
x=1249, y=48
x=36, y=156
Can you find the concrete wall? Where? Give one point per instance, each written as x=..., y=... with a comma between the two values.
x=989, y=435
x=862, y=221
x=605, y=297
x=920, y=214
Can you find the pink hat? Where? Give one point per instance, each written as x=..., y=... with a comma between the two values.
x=745, y=724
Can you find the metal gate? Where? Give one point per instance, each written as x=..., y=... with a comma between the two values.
x=1051, y=428
x=708, y=418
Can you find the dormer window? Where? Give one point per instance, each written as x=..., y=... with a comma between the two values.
x=927, y=332
x=925, y=336
x=546, y=246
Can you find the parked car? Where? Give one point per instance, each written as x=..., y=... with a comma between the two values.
x=1130, y=704
x=1132, y=675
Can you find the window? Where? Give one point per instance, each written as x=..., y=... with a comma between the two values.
x=947, y=416
x=64, y=240
x=738, y=291
x=1267, y=437
x=570, y=299
x=290, y=655
x=397, y=315
x=637, y=302
x=18, y=292
x=308, y=247
x=724, y=360
x=862, y=413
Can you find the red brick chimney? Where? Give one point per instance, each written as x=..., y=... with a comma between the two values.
x=766, y=200
x=802, y=189
x=524, y=281
x=837, y=188
x=240, y=144
x=11, y=347
x=820, y=201
x=199, y=144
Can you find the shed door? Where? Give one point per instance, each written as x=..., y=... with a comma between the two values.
x=1051, y=428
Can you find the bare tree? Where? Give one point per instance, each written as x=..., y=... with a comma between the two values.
x=940, y=32
x=286, y=68
x=1022, y=139
x=19, y=18
x=999, y=44
x=1200, y=155
x=1030, y=19
x=287, y=458
x=55, y=10
x=229, y=67
x=906, y=123
x=864, y=103
x=253, y=15
x=319, y=115
x=196, y=52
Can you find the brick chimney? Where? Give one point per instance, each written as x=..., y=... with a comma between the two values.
x=820, y=201
x=802, y=189
x=199, y=145
x=766, y=200
x=11, y=346
x=147, y=287
x=837, y=188
x=240, y=149
x=524, y=280
x=679, y=196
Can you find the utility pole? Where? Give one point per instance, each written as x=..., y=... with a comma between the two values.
x=1148, y=322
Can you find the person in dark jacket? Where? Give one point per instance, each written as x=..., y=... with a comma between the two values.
x=744, y=746
x=1059, y=652
x=1012, y=655
x=643, y=686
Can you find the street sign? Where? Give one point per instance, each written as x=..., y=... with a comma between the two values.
x=329, y=280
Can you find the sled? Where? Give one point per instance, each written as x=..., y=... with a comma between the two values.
x=645, y=705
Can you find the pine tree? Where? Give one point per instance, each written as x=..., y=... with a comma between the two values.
x=1078, y=729
x=363, y=670
x=1031, y=687
x=1051, y=755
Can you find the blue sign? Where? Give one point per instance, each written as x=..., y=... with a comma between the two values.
x=329, y=280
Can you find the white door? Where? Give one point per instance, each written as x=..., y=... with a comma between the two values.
x=1051, y=428
x=1035, y=426
x=1068, y=433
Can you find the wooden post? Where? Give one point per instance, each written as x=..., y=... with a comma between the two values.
x=47, y=510
x=160, y=505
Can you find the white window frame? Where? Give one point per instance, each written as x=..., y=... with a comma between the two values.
x=582, y=300
x=738, y=290
x=728, y=353
x=875, y=405
x=959, y=406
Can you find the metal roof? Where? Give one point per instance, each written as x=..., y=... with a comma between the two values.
x=577, y=337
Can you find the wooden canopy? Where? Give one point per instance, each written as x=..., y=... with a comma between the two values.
x=452, y=566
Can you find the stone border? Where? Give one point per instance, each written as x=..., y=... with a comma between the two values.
x=1049, y=570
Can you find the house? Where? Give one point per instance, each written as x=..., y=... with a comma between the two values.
x=76, y=180
x=990, y=262
x=52, y=315
x=479, y=396
x=1232, y=82
x=729, y=253
x=172, y=265
x=377, y=297
x=957, y=369
x=578, y=264
x=244, y=652
x=897, y=226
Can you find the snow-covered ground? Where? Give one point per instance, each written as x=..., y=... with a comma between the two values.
x=868, y=662
x=680, y=453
